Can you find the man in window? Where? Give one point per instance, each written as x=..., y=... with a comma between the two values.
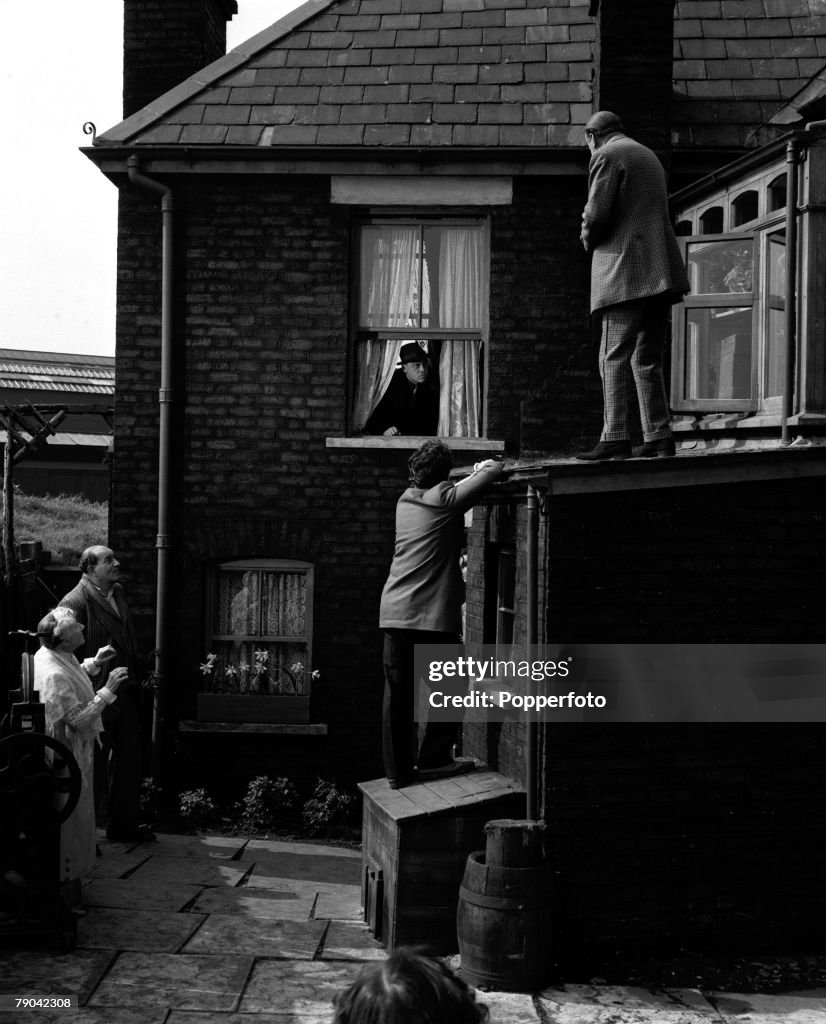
x=637, y=273
x=410, y=405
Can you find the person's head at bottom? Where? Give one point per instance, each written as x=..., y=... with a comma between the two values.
x=409, y=987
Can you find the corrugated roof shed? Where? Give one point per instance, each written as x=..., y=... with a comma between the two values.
x=57, y=371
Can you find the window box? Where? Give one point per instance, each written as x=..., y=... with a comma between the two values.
x=253, y=707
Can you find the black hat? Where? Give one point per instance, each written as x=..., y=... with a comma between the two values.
x=412, y=352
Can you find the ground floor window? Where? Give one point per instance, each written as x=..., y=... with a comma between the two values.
x=260, y=628
x=421, y=281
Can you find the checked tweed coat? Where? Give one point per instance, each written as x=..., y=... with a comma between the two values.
x=626, y=225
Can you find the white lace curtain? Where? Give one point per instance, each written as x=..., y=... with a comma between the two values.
x=460, y=294
x=389, y=268
x=390, y=288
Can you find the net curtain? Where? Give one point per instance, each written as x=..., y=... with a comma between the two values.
x=460, y=293
x=390, y=264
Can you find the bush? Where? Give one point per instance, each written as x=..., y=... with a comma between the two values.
x=327, y=809
x=149, y=799
x=266, y=804
x=196, y=806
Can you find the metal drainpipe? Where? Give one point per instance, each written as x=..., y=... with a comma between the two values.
x=165, y=399
x=791, y=289
x=531, y=631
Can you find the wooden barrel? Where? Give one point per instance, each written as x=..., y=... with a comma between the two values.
x=504, y=925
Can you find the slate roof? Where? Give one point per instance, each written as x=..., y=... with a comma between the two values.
x=737, y=62
x=56, y=371
x=390, y=73
x=481, y=73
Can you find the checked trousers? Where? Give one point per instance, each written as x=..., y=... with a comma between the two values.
x=631, y=352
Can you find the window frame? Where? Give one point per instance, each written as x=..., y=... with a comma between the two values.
x=679, y=403
x=263, y=566
x=358, y=333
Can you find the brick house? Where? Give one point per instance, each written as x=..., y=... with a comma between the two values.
x=369, y=172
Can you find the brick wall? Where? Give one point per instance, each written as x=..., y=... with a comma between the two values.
x=673, y=837
x=166, y=41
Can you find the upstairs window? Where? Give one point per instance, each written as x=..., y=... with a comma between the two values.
x=422, y=281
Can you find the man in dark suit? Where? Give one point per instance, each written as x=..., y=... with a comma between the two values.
x=99, y=604
x=637, y=273
x=410, y=405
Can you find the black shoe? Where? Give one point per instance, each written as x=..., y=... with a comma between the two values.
x=446, y=771
x=402, y=781
x=605, y=451
x=138, y=834
x=662, y=449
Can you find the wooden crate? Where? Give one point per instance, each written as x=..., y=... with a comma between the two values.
x=415, y=843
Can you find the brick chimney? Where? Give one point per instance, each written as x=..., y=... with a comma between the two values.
x=633, y=73
x=166, y=41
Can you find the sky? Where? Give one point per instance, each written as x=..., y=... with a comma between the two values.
x=61, y=66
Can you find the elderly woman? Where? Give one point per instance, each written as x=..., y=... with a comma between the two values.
x=73, y=712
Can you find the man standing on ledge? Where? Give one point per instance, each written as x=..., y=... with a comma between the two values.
x=637, y=274
x=422, y=604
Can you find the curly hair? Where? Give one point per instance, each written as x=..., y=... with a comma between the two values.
x=430, y=464
x=410, y=987
x=49, y=629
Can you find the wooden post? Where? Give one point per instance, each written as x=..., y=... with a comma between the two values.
x=8, y=512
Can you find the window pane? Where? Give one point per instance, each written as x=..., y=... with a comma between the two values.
x=238, y=603
x=718, y=353
x=775, y=370
x=711, y=222
x=777, y=193
x=776, y=353
x=284, y=604
x=744, y=208
x=389, y=277
x=719, y=268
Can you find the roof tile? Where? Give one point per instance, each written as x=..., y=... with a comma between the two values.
x=350, y=72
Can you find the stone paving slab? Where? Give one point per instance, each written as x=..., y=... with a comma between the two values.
x=796, y=1008
x=130, y=894
x=228, y=933
x=328, y=865
x=616, y=1004
x=219, y=847
x=303, y=848
x=351, y=941
x=148, y=931
x=116, y=864
x=262, y=903
x=344, y=904
x=32, y=972
x=162, y=871
x=297, y=986
x=510, y=1007
x=176, y=981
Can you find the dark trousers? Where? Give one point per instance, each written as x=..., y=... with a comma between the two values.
x=119, y=761
x=399, y=733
